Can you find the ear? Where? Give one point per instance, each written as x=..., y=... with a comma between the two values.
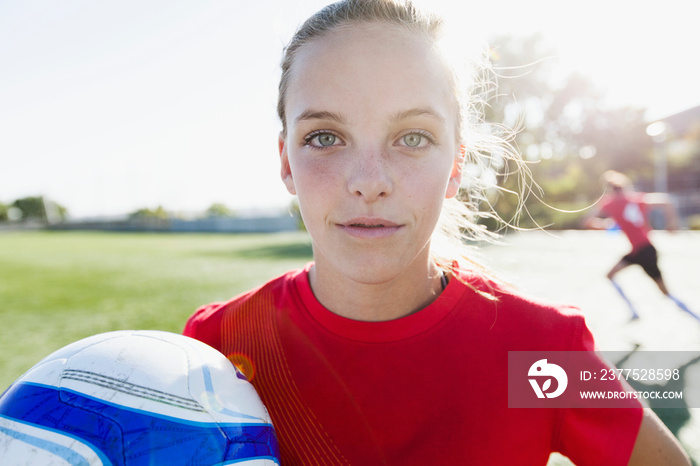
x=455, y=180
x=286, y=171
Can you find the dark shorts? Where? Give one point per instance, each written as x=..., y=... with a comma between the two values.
x=647, y=258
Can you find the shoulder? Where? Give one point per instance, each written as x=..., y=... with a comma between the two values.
x=613, y=204
x=205, y=324
x=527, y=323
x=606, y=201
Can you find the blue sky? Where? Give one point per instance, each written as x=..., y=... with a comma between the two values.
x=110, y=106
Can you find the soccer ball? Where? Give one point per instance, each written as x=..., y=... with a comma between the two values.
x=135, y=398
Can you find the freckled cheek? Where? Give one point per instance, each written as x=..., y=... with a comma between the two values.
x=316, y=179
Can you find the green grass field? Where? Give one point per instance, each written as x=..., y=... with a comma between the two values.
x=59, y=287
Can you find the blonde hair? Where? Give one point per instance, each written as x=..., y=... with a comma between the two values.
x=486, y=146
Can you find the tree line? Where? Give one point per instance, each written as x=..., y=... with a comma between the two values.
x=43, y=210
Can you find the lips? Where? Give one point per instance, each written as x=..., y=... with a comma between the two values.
x=370, y=227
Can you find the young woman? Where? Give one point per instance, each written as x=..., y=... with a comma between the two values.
x=390, y=348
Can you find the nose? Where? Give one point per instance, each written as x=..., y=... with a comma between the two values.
x=370, y=176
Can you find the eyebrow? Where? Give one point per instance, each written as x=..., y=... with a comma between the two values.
x=319, y=115
x=415, y=112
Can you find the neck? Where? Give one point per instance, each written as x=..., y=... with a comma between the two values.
x=375, y=302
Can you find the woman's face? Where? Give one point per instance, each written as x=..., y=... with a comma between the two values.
x=371, y=149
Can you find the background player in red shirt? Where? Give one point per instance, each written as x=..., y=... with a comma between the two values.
x=392, y=346
x=629, y=211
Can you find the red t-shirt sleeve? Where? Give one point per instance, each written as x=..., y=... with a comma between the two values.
x=594, y=436
x=205, y=325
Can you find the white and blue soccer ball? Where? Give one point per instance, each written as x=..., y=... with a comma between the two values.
x=135, y=398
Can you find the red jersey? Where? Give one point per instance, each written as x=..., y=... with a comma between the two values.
x=428, y=388
x=630, y=212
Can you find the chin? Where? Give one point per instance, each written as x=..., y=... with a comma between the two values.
x=377, y=270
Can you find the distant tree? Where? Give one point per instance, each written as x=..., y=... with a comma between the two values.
x=219, y=210
x=35, y=208
x=154, y=214
x=31, y=207
x=3, y=212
